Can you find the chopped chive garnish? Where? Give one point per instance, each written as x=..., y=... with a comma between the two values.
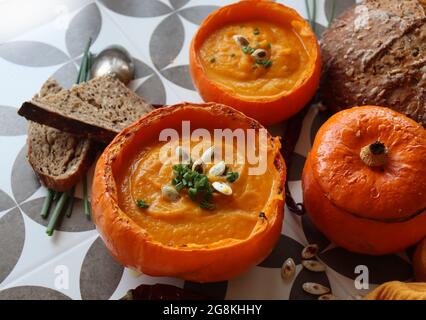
x=232, y=176
x=87, y=210
x=70, y=204
x=56, y=213
x=46, y=204
x=142, y=204
x=268, y=45
x=267, y=63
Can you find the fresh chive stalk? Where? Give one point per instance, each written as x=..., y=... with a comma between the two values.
x=70, y=205
x=56, y=213
x=87, y=210
x=46, y=204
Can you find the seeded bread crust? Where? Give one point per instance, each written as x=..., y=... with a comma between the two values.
x=375, y=54
x=97, y=109
x=59, y=159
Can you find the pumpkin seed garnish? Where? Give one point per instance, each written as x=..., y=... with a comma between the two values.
x=260, y=54
x=169, y=193
x=199, y=166
x=241, y=40
x=310, y=251
x=288, y=269
x=327, y=296
x=208, y=155
x=313, y=265
x=262, y=215
x=212, y=59
x=315, y=288
x=256, y=31
x=218, y=169
x=222, y=188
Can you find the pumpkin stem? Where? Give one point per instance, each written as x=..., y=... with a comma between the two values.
x=374, y=154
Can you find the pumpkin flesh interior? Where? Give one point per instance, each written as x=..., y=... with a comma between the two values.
x=183, y=222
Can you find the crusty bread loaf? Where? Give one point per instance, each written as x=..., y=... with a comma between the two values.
x=375, y=53
x=59, y=159
x=97, y=109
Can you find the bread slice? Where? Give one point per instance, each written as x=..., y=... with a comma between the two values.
x=97, y=109
x=59, y=159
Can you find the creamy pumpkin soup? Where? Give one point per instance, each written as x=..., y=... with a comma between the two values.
x=257, y=59
x=181, y=203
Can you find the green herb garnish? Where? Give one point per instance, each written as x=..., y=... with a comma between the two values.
x=256, y=31
x=268, y=45
x=142, y=204
x=198, y=185
x=232, y=176
x=267, y=63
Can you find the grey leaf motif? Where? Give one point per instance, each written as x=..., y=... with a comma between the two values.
x=152, y=90
x=86, y=24
x=141, y=69
x=297, y=292
x=333, y=8
x=32, y=53
x=100, y=274
x=295, y=169
x=11, y=124
x=32, y=293
x=177, y=4
x=66, y=75
x=12, y=237
x=179, y=75
x=197, y=14
x=166, y=41
x=76, y=223
x=285, y=248
x=24, y=181
x=320, y=118
x=312, y=234
x=381, y=268
x=138, y=8
x=212, y=290
x=6, y=202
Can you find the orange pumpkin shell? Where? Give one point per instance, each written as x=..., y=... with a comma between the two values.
x=133, y=246
x=364, y=209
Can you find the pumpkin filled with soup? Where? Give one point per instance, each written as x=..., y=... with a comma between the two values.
x=191, y=191
x=259, y=57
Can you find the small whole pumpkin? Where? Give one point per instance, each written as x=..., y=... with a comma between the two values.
x=150, y=238
x=266, y=108
x=396, y=290
x=364, y=180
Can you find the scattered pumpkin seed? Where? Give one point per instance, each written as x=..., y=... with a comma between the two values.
x=222, y=188
x=207, y=156
x=182, y=155
x=315, y=288
x=288, y=269
x=310, y=251
x=256, y=31
x=327, y=296
x=218, y=169
x=212, y=59
x=169, y=193
x=241, y=40
x=260, y=54
x=313, y=265
x=199, y=166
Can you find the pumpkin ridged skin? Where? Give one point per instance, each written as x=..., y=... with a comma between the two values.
x=396, y=290
x=419, y=261
x=344, y=210
x=133, y=247
x=267, y=110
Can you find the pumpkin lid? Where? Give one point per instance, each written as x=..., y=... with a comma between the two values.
x=369, y=161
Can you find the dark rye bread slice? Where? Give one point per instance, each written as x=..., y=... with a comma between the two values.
x=59, y=159
x=97, y=109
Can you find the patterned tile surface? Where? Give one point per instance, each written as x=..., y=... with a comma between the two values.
x=157, y=34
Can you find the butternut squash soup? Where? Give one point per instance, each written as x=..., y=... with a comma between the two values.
x=257, y=59
x=181, y=204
